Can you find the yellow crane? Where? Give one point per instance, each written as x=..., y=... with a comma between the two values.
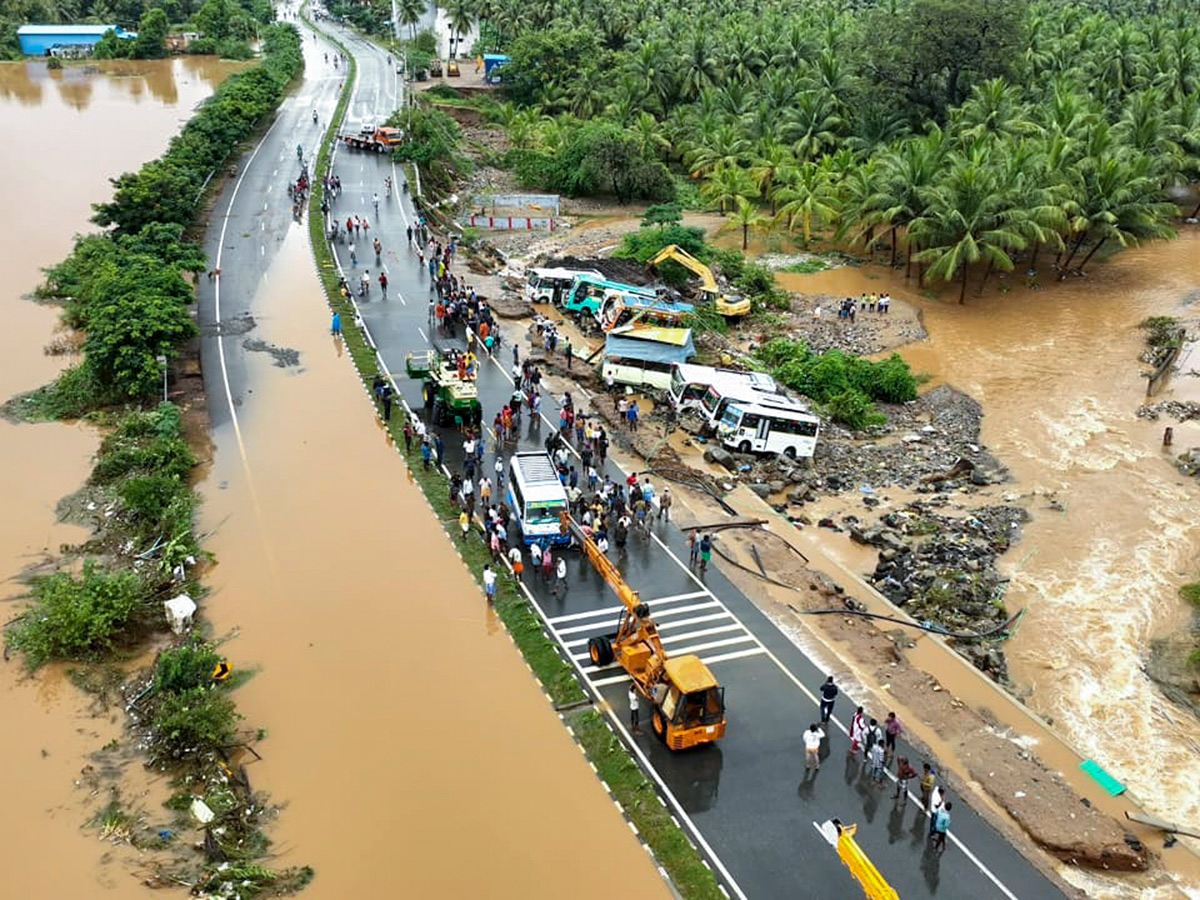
x=842, y=837
x=687, y=702
x=725, y=304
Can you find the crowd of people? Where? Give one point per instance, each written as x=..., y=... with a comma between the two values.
x=875, y=742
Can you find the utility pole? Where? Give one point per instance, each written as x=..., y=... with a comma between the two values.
x=162, y=361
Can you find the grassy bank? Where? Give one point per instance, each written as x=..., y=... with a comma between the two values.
x=127, y=292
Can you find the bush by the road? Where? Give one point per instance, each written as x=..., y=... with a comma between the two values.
x=845, y=386
x=126, y=289
x=79, y=617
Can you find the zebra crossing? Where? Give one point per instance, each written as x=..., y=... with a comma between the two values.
x=692, y=623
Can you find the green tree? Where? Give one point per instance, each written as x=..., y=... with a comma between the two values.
x=746, y=217
x=808, y=197
x=152, y=35
x=968, y=220
x=931, y=52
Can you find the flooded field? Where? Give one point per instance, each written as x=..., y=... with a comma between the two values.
x=65, y=134
x=1057, y=373
x=415, y=751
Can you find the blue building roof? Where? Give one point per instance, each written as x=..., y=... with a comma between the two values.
x=68, y=30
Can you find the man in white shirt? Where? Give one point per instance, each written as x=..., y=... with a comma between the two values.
x=489, y=583
x=560, y=585
x=812, y=746
x=634, y=710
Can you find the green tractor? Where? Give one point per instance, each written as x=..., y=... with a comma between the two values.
x=450, y=398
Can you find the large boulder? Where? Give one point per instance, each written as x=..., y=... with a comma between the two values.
x=721, y=457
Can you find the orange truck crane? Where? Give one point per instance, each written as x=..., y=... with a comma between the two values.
x=687, y=701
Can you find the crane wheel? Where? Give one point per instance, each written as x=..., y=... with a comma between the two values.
x=659, y=723
x=439, y=411
x=600, y=651
x=428, y=394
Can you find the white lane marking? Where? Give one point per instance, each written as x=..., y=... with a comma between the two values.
x=738, y=654
x=575, y=629
x=684, y=651
x=616, y=609
x=578, y=642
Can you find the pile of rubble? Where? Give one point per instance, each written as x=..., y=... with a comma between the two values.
x=942, y=568
x=1180, y=411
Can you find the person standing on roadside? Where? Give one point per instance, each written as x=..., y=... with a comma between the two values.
x=858, y=730
x=928, y=780
x=941, y=827
x=693, y=546
x=829, y=694
x=891, y=730
x=560, y=583
x=335, y=327
x=439, y=447
x=812, y=746
x=514, y=559
x=408, y=437
x=904, y=774
x=634, y=710
x=705, y=552
x=873, y=736
x=489, y=584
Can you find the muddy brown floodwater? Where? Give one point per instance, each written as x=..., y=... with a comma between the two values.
x=415, y=751
x=65, y=134
x=1057, y=373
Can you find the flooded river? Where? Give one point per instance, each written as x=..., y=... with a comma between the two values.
x=65, y=134
x=416, y=752
x=1056, y=371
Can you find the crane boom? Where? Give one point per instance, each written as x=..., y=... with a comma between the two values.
x=724, y=304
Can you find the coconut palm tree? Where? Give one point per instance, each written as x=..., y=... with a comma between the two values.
x=969, y=219
x=807, y=197
x=747, y=217
x=812, y=125
x=1121, y=202
x=771, y=167
x=725, y=185
x=411, y=12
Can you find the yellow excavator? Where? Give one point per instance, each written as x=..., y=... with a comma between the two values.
x=725, y=304
x=687, y=703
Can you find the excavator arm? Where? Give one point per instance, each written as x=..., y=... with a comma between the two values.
x=689, y=262
x=725, y=305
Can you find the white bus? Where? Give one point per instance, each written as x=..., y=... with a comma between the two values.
x=536, y=496
x=553, y=285
x=758, y=428
x=705, y=388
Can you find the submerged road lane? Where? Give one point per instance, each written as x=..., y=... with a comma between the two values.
x=250, y=219
x=747, y=798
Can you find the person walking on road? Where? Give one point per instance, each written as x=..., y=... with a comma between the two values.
x=876, y=755
x=383, y=283
x=693, y=546
x=812, y=746
x=410, y=240
x=514, y=559
x=937, y=802
x=335, y=327
x=353, y=255
x=547, y=563
x=941, y=827
x=873, y=736
x=904, y=774
x=829, y=694
x=634, y=710
x=489, y=584
x=705, y=552
x=664, y=505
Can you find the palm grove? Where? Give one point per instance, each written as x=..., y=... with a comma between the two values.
x=958, y=137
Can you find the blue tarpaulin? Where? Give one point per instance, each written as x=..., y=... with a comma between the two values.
x=628, y=346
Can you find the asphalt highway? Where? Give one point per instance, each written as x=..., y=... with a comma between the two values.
x=744, y=801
